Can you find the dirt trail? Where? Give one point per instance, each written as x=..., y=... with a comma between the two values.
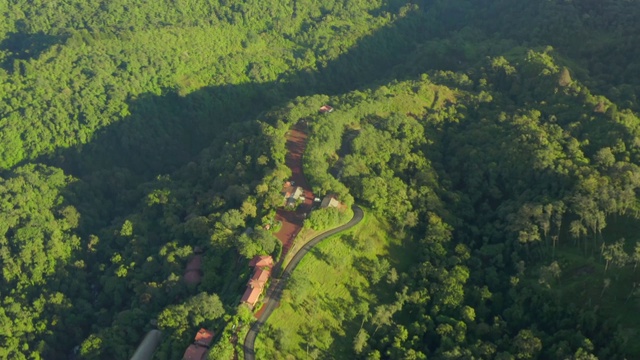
x=292, y=220
x=274, y=294
x=291, y=226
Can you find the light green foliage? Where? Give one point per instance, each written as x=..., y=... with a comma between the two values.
x=126, y=229
x=327, y=218
x=36, y=242
x=326, y=300
x=500, y=158
x=87, y=60
x=512, y=174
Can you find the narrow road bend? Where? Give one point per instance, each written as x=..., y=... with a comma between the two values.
x=274, y=293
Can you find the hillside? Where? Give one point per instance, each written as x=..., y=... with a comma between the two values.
x=498, y=141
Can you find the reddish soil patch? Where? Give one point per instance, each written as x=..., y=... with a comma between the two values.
x=259, y=312
x=292, y=220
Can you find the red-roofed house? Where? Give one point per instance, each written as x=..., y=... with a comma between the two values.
x=260, y=261
x=198, y=350
x=255, y=287
x=257, y=283
x=261, y=275
x=204, y=337
x=251, y=295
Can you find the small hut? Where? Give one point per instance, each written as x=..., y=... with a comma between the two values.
x=325, y=109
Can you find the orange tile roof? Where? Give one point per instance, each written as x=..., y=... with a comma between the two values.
x=204, y=337
x=256, y=283
x=261, y=261
x=261, y=275
x=253, y=283
x=251, y=295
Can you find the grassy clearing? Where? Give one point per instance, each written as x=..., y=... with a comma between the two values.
x=307, y=234
x=303, y=237
x=343, y=278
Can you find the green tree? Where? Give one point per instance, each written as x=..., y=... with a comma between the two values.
x=360, y=341
x=526, y=345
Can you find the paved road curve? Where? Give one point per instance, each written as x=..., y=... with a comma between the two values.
x=277, y=285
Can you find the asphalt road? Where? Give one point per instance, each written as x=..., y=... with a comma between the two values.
x=274, y=293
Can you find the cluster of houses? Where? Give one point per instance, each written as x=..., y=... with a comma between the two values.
x=262, y=265
x=198, y=350
x=293, y=193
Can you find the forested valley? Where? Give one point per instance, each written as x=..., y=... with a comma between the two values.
x=499, y=139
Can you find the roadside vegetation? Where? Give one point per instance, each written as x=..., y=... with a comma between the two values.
x=334, y=291
x=499, y=140
x=496, y=186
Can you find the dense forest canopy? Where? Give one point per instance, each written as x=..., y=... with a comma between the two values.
x=500, y=138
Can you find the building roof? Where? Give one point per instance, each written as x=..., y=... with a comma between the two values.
x=330, y=200
x=290, y=191
x=251, y=295
x=261, y=261
x=287, y=191
x=195, y=352
x=261, y=275
x=204, y=337
x=297, y=192
x=256, y=284
x=325, y=109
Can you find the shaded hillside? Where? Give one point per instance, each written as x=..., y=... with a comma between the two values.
x=493, y=135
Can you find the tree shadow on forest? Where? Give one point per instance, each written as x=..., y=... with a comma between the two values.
x=165, y=132
x=25, y=46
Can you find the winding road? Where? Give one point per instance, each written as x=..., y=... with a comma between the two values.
x=274, y=293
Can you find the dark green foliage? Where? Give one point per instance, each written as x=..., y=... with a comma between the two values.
x=258, y=242
x=509, y=163
x=515, y=138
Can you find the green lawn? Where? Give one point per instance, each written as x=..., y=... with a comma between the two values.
x=321, y=310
